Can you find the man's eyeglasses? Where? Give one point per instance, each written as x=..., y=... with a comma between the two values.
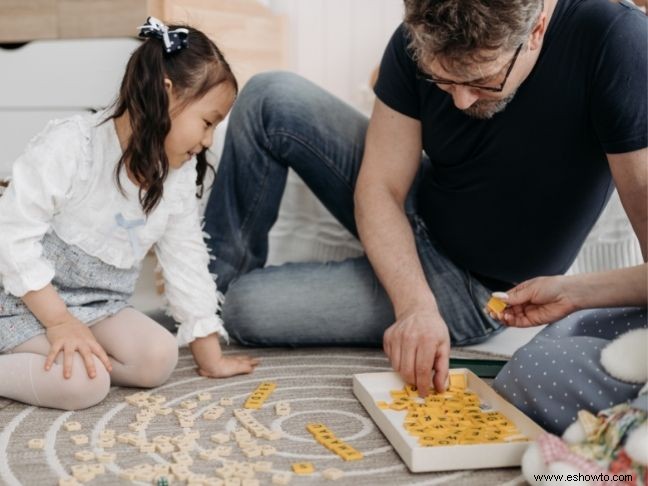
x=494, y=89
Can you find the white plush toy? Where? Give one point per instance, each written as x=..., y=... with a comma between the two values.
x=625, y=358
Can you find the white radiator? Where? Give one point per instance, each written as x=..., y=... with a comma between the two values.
x=611, y=243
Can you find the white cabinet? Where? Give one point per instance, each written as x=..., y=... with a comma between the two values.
x=43, y=80
x=17, y=127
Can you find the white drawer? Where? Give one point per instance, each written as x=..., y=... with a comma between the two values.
x=17, y=128
x=63, y=73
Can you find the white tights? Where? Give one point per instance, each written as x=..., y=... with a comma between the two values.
x=143, y=354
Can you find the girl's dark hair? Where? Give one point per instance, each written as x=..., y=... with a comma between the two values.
x=194, y=71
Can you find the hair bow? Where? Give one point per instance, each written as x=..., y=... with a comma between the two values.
x=174, y=40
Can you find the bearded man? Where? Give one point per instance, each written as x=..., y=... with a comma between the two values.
x=499, y=131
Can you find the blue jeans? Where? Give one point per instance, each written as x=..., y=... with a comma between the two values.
x=282, y=121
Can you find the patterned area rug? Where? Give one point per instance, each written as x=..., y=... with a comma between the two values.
x=316, y=383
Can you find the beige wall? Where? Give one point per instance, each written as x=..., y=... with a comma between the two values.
x=337, y=43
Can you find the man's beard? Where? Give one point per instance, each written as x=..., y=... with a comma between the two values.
x=485, y=109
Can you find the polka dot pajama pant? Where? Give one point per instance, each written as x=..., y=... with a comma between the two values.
x=559, y=373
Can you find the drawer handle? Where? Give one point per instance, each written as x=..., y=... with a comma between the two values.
x=12, y=46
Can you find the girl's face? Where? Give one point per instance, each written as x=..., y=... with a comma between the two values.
x=192, y=126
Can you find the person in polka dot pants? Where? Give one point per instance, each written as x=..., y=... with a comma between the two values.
x=559, y=372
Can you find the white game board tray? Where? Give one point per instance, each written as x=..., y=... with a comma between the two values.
x=372, y=387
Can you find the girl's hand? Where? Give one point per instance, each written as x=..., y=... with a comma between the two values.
x=538, y=301
x=211, y=362
x=72, y=336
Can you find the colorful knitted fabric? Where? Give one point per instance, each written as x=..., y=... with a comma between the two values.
x=603, y=452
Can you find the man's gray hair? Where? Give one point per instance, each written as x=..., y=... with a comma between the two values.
x=459, y=33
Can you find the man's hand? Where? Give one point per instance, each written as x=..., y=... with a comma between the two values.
x=211, y=362
x=417, y=343
x=69, y=337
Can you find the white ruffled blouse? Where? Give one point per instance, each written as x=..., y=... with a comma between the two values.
x=65, y=182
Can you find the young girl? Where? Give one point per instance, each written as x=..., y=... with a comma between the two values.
x=88, y=198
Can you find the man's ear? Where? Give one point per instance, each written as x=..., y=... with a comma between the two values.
x=538, y=32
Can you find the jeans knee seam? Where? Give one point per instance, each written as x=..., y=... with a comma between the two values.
x=329, y=163
x=252, y=212
x=255, y=201
x=265, y=143
x=249, y=217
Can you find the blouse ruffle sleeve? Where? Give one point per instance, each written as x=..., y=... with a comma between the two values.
x=183, y=256
x=42, y=181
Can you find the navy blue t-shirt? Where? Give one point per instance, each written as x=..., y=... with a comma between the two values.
x=515, y=196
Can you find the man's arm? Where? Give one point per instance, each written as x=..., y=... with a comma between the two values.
x=418, y=341
x=630, y=173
